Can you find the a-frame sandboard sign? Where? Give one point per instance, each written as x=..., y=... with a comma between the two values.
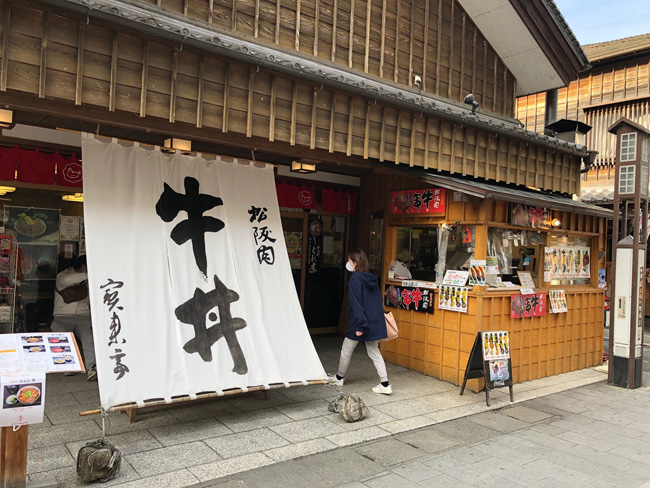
x=490, y=360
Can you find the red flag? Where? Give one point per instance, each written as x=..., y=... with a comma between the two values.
x=35, y=167
x=330, y=201
x=8, y=157
x=68, y=171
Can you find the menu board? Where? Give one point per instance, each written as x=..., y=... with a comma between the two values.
x=69, y=228
x=455, y=278
x=567, y=262
x=496, y=345
x=453, y=298
x=51, y=352
x=526, y=279
x=558, y=301
x=23, y=398
x=477, y=272
x=527, y=216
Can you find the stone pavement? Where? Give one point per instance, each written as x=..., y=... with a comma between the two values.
x=182, y=445
x=592, y=436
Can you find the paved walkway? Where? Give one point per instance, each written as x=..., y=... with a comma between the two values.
x=204, y=441
x=592, y=436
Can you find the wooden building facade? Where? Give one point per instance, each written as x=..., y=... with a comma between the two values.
x=369, y=88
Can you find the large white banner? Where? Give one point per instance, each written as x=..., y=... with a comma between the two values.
x=190, y=282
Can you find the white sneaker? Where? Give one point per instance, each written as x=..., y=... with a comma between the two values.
x=384, y=390
x=335, y=381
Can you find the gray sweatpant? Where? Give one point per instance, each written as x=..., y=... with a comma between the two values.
x=80, y=325
x=372, y=348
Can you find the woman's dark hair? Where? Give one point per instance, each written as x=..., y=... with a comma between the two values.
x=360, y=259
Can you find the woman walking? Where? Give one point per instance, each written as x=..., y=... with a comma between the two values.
x=366, y=321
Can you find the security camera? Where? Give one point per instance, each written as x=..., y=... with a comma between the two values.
x=469, y=100
x=417, y=80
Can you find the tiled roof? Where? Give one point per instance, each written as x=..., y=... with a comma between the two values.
x=628, y=45
x=593, y=195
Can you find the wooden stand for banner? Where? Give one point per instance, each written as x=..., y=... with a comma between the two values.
x=131, y=408
x=13, y=457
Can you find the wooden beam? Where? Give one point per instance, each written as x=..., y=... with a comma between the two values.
x=505, y=89
x=508, y=180
x=297, y=42
x=335, y=9
x=425, y=45
x=42, y=72
x=256, y=30
x=427, y=140
x=210, y=11
x=272, y=110
x=411, y=36
x=199, y=93
x=498, y=173
x=474, y=61
x=383, y=39
x=314, y=110
x=233, y=16
x=439, y=165
x=438, y=47
x=382, y=138
x=483, y=93
x=398, y=131
x=172, y=96
x=495, y=83
x=294, y=108
x=316, y=26
x=113, y=83
x=451, y=49
x=80, y=64
x=350, y=126
x=6, y=40
x=453, y=149
x=145, y=79
x=397, y=22
x=368, y=22
x=278, y=13
x=476, y=135
x=249, y=113
x=186, y=7
x=366, y=134
x=412, y=152
x=332, y=113
x=351, y=43
x=13, y=454
x=462, y=58
x=226, y=98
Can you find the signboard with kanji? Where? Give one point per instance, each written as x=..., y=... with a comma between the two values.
x=409, y=298
x=522, y=306
x=427, y=201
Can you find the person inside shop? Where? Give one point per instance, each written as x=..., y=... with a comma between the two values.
x=72, y=310
x=366, y=321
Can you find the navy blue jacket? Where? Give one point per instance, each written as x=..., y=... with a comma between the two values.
x=365, y=308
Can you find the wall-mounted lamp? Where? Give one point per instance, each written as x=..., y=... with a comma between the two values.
x=556, y=223
x=304, y=166
x=174, y=143
x=6, y=119
x=77, y=197
x=470, y=100
x=6, y=189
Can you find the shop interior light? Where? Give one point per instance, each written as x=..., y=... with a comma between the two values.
x=174, y=143
x=77, y=197
x=304, y=166
x=6, y=189
x=6, y=119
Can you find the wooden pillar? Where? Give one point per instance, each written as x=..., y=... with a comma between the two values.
x=13, y=457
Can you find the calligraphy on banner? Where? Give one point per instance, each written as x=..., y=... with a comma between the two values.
x=567, y=262
x=453, y=298
x=558, y=301
x=314, y=246
x=262, y=235
x=523, y=306
x=527, y=216
x=428, y=201
x=409, y=298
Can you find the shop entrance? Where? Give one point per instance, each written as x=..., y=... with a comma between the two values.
x=317, y=246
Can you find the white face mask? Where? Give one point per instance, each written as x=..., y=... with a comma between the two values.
x=349, y=267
